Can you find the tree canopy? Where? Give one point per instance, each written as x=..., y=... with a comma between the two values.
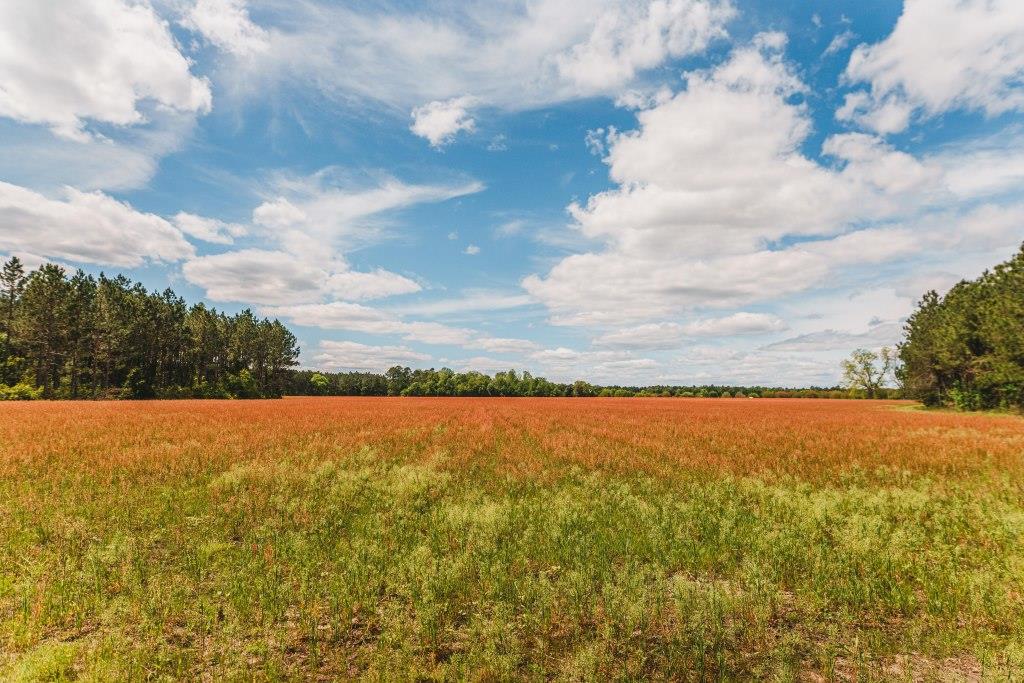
x=403, y=381
x=966, y=348
x=78, y=336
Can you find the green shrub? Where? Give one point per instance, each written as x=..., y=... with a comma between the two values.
x=22, y=391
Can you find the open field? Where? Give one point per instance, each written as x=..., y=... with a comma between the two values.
x=495, y=539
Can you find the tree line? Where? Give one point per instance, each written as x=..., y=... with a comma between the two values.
x=403, y=381
x=78, y=336
x=966, y=349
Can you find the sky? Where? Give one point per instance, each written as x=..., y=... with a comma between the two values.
x=625, y=191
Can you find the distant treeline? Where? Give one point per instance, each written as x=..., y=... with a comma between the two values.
x=83, y=337
x=966, y=349
x=399, y=381
x=77, y=336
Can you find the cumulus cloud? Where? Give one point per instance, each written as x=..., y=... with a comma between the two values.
x=86, y=227
x=471, y=250
x=439, y=122
x=226, y=24
x=122, y=55
x=338, y=356
x=717, y=206
x=942, y=55
x=630, y=37
x=711, y=174
x=262, y=276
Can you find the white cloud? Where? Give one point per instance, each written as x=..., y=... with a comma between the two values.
x=654, y=336
x=471, y=250
x=503, y=345
x=305, y=224
x=634, y=99
x=338, y=315
x=482, y=364
x=610, y=367
x=439, y=122
x=984, y=168
x=255, y=276
x=734, y=325
x=885, y=334
x=510, y=228
x=276, y=277
x=716, y=204
x=709, y=177
x=350, y=356
x=631, y=37
x=471, y=300
x=942, y=55
x=889, y=115
x=713, y=365
x=126, y=158
x=668, y=335
x=873, y=166
x=509, y=55
x=208, y=229
x=313, y=214
x=354, y=285
x=91, y=60
x=351, y=317
x=226, y=24
x=839, y=42
x=85, y=227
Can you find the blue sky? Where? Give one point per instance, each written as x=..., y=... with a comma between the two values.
x=628, y=191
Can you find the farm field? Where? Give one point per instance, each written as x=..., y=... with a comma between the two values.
x=496, y=539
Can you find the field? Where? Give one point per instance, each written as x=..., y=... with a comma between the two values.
x=496, y=539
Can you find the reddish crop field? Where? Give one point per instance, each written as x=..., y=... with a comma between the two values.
x=800, y=437
x=509, y=539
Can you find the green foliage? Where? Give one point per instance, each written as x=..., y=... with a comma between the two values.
x=966, y=349
x=868, y=371
x=85, y=337
x=319, y=383
x=22, y=391
x=399, y=381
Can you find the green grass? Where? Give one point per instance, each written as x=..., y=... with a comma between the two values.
x=370, y=568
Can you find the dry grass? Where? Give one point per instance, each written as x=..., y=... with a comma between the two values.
x=509, y=538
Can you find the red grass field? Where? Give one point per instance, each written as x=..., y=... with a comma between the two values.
x=799, y=437
x=509, y=539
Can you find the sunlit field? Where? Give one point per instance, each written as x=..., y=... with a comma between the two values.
x=496, y=539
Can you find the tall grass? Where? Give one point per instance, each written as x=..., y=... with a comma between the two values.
x=493, y=540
